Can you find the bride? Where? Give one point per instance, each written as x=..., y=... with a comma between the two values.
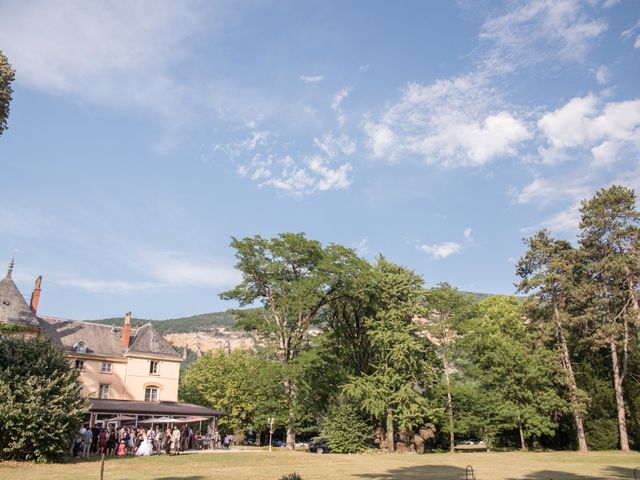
x=146, y=446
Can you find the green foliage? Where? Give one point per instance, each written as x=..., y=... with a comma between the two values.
x=41, y=408
x=402, y=368
x=345, y=428
x=515, y=376
x=7, y=75
x=248, y=387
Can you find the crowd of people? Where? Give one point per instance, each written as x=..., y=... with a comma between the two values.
x=113, y=441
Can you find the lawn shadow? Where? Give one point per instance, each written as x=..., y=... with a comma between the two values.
x=192, y=477
x=616, y=473
x=421, y=472
x=625, y=472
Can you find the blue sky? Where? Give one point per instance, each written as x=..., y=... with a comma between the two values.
x=144, y=134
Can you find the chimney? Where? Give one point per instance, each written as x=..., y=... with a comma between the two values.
x=35, y=296
x=126, y=330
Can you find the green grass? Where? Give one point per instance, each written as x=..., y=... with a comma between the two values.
x=257, y=465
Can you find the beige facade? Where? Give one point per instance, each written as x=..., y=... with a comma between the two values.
x=128, y=378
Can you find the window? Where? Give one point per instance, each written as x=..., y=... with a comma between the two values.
x=80, y=347
x=104, y=390
x=106, y=367
x=151, y=394
x=80, y=365
x=153, y=367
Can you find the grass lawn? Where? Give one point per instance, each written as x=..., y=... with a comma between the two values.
x=258, y=465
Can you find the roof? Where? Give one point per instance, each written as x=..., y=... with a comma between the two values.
x=13, y=307
x=102, y=405
x=106, y=340
x=149, y=341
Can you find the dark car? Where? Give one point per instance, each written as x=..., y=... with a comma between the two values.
x=319, y=445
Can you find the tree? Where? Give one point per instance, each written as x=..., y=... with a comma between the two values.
x=610, y=248
x=246, y=386
x=515, y=375
x=41, y=408
x=344, y=428
x=448, y=308
x=402, y=367
x=548, y=273
x=293, y=278
x=7, y=75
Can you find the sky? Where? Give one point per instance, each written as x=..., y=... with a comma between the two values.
x=143, y=135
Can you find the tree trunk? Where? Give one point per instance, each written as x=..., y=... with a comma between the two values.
x=617, y=385
x=452, y=436
x=259, y=438
x=566, y=363
x=291, y=424
x=390, y=434
x=523, y=444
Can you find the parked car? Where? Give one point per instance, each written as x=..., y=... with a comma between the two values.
x=319, y=445
x=278, y=443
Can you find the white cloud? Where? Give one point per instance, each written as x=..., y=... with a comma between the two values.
x=456, y=122
x=636, y=44
x=440, y=250
x=315, y=175
x=111, y=53
x=468, y=234
x=362, y=248
x=175, y=269
x=311, y=78
x=539, y=30
x=603, y=74
x=333, y=146
x=110, y=287
x=542, y=191
x=339, y=97
x=586, y=124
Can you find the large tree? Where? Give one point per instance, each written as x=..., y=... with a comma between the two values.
x=7, y=75
x=293, y=278
x=515, y=374
x=447, y=310
x=548, y=273
x=402, y=370
x=248, y=387
x=610, y=247
x=41, y=408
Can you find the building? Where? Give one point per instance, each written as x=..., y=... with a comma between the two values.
x=123, y=370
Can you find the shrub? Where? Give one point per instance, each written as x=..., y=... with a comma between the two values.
x=41, y=408
x=291, y=476
x=345, y=429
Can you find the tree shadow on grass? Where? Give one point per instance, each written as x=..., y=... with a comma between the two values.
x=421, y=472
x=192, y=477
x=624, y=472
x=613, y=473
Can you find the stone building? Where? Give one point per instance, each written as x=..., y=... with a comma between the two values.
x=122, y=369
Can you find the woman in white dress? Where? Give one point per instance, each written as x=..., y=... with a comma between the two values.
x=146, y=446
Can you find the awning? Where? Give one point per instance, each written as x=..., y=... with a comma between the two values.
x=164, y=420
x=119, y=418
x=147, y=409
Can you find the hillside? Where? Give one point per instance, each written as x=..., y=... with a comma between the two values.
x=196, y=323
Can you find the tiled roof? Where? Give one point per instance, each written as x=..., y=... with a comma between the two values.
x=106, y=339
x=99, y=339
x=13, y=307
x=148, y=340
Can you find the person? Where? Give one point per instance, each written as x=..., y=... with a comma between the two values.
x=112, y=442
x=167, y=440
x=102, y=442
x=87, y=441
x=145, y=448
x=159, y=437
x=94, y=442
x=216, y=439
x=175, y=440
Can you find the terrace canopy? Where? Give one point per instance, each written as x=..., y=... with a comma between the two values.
x=177, y=411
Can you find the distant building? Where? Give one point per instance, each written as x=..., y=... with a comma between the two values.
x=123, y=370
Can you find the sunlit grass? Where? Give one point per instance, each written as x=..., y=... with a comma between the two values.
x=260, y=465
